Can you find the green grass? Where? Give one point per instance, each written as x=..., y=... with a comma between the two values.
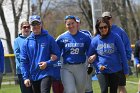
x=10, y=89
x=131, y=88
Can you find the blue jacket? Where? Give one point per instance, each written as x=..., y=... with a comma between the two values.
x=38, y=48
x=18, y=42
x=119, y=31
x=110, y=51
x=137, y=52
x=73, y=47
x=1, y=58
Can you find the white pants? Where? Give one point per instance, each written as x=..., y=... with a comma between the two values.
x=73, y=78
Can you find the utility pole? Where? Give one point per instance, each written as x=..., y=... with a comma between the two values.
x=96, y=6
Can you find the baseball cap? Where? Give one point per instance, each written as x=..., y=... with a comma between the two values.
x=77, y=19
x=70, y=17
x=106, y=14
x=34, y=18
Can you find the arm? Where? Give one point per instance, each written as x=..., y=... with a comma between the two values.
x=127, y=44
x=122, y=54
x=24, y=61
x=17, y=51
x=92, y=55
x=55, y=51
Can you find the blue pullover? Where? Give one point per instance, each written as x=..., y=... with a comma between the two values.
x=18, y=42
x=1, y=58
x=38, y=48
x=118, y=30
x=109, y=50
x=73, y=47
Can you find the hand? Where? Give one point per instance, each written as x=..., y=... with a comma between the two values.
x=91, y=59
x=42, y=65
x=138, y=66
x=102, y=68
x=27, y=82
x=53, y=57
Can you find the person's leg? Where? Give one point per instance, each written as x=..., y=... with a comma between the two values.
x=103, y=82
x=23, y=88
x=122, y=82
x=46, y=84
x=57, y=86
x=113, y=82
x=89, y=84
x=67, y=78
x=80, y=77
x=1, y=75
x=36, y=86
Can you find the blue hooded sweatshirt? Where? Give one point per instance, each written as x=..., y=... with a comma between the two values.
x=18, y=42
x=109, y=50
x=1, y=58
x=119, y=31
x=38, y=48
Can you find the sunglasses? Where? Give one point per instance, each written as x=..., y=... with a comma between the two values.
x=70, y=17
x=25, y=27
x=103, y=27
x=35, y=23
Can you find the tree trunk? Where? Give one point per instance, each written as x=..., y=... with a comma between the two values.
x=8, y=38
x=133, y=20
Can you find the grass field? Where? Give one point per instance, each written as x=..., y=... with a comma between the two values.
x=131, y=86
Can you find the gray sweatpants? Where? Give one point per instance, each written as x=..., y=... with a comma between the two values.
x=73, y=78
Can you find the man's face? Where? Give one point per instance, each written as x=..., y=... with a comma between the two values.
x=109, y=19
x=36, y=27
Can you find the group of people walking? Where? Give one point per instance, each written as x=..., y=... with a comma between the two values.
x=42, y=61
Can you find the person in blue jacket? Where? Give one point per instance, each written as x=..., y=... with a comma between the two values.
x=109, y=49
x=137, y=59
x=119, y=31
x=1, y=62
x=36, y=63
x=18, y=42
x=73, y=45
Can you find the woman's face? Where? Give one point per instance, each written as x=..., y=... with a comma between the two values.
x=25, y=30
x=71, y=25
x=103, y=28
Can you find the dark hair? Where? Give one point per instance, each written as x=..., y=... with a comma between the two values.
x=24, y=23
x=98, y=22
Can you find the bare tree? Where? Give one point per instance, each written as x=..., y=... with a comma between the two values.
x=134, y=22
x=87, y=12
x=16, y=17
x=8, y=36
